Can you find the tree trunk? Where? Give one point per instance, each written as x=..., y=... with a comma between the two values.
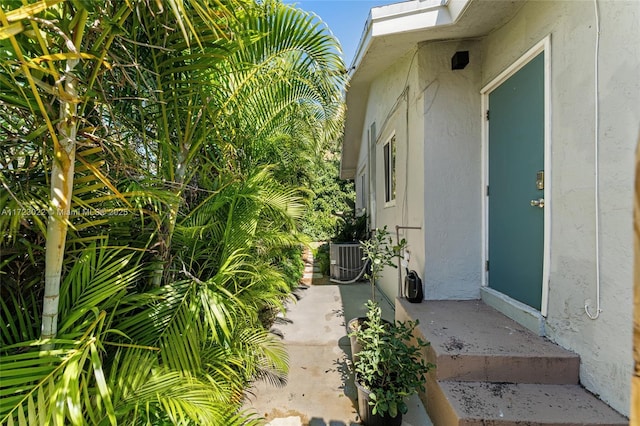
x=163, y=259
x=62, y=171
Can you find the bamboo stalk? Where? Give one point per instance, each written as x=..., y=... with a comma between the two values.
x=62, y=172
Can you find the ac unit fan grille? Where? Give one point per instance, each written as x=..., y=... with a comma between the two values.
x=346, y=260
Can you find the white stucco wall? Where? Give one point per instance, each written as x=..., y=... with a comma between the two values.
x=452, y=168
x=394, y=113
x=603, y=344
x=441, y=173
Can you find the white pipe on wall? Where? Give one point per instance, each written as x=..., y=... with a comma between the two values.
x=596, y=173
x=398, y=228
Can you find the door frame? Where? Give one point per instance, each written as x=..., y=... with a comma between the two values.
x=542, y=46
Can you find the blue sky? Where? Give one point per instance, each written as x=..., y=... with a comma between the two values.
x=345, y=18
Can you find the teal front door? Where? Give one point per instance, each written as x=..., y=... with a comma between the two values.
x=516, y=194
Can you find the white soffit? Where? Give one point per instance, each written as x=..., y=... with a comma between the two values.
x=421, y=15
x=397, y=22
x=392, y=31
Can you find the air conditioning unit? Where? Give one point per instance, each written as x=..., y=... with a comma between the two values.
x=346, y=260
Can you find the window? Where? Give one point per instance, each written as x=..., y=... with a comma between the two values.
x=389, y=150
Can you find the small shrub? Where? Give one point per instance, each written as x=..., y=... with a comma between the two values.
x=321, y=258
x=390, y=364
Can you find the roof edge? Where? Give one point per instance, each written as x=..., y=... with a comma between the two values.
x=403, y=9
x=417, y=15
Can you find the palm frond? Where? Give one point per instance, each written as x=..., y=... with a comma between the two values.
x=144, y=390
x=297, y=62
x=49, y=387
x=19, y=316
x=179, y=106
x=98, y=279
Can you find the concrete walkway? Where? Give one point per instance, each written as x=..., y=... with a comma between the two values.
x=320, y=389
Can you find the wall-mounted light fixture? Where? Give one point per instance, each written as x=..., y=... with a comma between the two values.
x=460, y=60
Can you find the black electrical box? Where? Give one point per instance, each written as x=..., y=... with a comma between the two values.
x=413, y=287
x=460, y=60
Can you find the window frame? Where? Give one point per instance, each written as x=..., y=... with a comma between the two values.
x=389, y=155
x=361, y=192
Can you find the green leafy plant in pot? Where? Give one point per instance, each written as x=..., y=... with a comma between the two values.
x=389, y=368
x=379, y=251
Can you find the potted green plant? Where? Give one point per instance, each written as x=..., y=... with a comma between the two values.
x=389, y=368
x=379, y=251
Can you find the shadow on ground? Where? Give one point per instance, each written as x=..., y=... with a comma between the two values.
x=319, y=422
x=319, y=390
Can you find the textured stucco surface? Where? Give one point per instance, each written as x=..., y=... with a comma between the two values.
x=452, y=169
x=399, y=114
x=443, y=169
x=603, y=344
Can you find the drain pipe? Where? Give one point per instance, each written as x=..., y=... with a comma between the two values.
x=596, y=173
x=398, y=228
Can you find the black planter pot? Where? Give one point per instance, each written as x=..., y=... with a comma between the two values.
x=367, y=417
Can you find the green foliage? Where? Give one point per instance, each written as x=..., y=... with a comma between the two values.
x=351, y=228
x=380, y=251
x=322, y=259
x=290, y=262
x=390, y=364
x=184, y=237
x=332, y=197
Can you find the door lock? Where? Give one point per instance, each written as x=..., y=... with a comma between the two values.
x=537, y=203
x=540, y=180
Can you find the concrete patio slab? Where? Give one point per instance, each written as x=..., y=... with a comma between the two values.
x=320, y=390
x=315, y=389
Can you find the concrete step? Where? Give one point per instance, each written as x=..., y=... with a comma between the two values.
x=492, y=371
x=485, y=403
x=471, y=341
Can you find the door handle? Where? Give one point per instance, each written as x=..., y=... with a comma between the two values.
x=537, y=203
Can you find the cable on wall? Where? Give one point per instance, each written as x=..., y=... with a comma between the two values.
x=597, y=164
x=404, y=210
x=403, y=97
